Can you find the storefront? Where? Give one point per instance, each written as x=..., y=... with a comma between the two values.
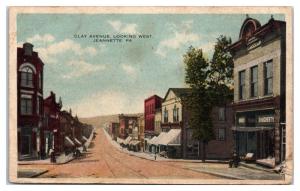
x=254, y=133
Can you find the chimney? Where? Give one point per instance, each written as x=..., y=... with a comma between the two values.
x=28, y=48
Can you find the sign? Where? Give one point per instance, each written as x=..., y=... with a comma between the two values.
x=242, y=120
x=265, y=119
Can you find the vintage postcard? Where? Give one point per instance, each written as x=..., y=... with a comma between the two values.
x=151, y=95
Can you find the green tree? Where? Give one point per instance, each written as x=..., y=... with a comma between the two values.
x=211, y=84
x=198, y=101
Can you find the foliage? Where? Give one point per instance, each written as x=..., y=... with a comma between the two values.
x=211, y=85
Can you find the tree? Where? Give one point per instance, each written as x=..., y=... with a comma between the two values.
x=211, y=85
x=198, y=101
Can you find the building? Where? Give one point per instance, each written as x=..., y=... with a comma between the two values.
x=179, y=141
x=67, y=128
x=151, y=104
x=29, y=102
x=127, y=122
x=141, y=130
x=222, y=146
x=174, y=116
x=51, y=134
x=259, y=89
x=114, y=130
x=157, y=121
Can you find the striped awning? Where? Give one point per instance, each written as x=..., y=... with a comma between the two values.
x=68, y=142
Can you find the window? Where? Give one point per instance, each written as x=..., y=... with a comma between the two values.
x=221, y=134
x=254, y=81
x=26, y=77
x=40, y=80
x=26, y=106
x=166, y=115
x=175, y=114
x=222, y=114
x=242, y=84
x=268, y=77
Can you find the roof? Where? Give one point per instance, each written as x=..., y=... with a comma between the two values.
x=179, y=92
x=253, y=27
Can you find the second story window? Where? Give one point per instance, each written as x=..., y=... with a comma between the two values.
x=242, y=84
x=166, y=116
x=26, y=105
x=268, y=77
x=254, y=81
x=27, y=77
x=222, y=114
x=175, y=116
x=40, y=80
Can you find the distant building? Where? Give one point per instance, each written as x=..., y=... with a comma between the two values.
x=259, y=89
x=51, y=133
x=157, y=121
x=29, y=101
x=151, y=104
x=127, y=123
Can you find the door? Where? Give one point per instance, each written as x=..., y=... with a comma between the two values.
x=25, y=144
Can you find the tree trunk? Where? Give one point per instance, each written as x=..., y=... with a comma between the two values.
x=203, y=151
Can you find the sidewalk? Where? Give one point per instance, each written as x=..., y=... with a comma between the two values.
x=61, y=159
x=213, y=167
x=30, y=173
x=151, y=156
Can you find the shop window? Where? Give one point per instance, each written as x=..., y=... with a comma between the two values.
x=242, y=84
x=27, y=77
x=268, y=77
x=254, y=86
x=221, y=134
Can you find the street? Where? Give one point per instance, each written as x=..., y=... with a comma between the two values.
x=105, y=161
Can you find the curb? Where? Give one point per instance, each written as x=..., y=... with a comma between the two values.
x=256, y=168
x=39, y=174
x=221, y=175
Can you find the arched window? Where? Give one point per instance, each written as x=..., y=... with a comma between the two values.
x=27, y=77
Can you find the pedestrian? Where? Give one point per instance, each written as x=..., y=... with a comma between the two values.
x=155, y=156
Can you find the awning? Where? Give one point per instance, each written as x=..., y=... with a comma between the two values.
x=120, y=141
x=134, y=142
x=77, y=142
x=252, y=129
x=159, y=138
x=127, y=140
x=171, y=138
x=84, y=138
x=68, y=142
x=151, y=141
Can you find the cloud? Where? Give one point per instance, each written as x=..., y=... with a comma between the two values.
x=130, y=70
x=178, y=39
x=207, y=47
x=108, y=102
x=49, y=52
x=126, y=28
x=41, y=38
x=80, y=68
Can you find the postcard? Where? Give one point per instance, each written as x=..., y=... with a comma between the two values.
x=151, y=95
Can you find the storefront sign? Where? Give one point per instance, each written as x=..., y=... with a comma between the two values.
x=266, y=119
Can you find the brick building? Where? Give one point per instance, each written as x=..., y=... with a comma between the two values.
x=51, y=133
x=151, y=104
x=259, y=92
x=127, y=123
x=29, y=101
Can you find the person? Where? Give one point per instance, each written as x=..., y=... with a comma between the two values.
x=52, y=156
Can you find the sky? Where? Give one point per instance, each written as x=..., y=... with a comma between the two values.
x=102, y=78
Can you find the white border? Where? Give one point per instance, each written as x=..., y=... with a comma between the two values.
x=4, y=185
